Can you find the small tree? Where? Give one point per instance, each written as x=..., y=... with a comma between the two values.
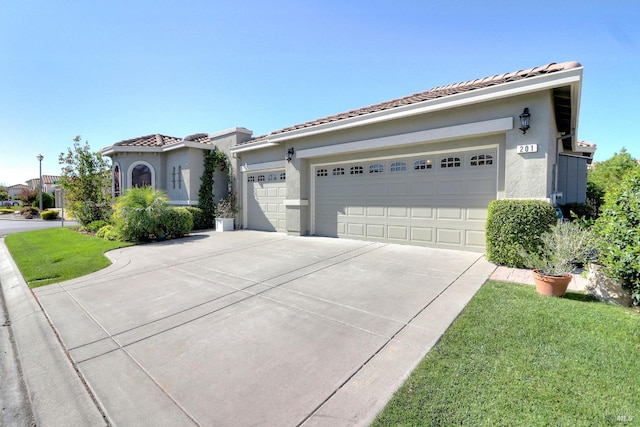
x=87, y=182
x=28, y=196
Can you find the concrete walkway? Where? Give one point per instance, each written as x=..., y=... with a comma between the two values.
x=241, y=328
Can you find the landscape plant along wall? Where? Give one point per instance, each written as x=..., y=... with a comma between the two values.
x=213, y=159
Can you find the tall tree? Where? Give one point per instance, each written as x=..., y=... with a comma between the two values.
x=86, y=180
x=607, y=175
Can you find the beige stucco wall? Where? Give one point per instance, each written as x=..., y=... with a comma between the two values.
x=519, y=175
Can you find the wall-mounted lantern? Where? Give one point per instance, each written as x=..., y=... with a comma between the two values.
x=289, y=154
x=525, y=119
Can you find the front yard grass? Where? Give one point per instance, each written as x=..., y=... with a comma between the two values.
x=58, y=254
x=516, y=358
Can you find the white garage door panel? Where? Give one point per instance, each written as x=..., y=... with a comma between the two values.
x=265, y=202
x=444, y=207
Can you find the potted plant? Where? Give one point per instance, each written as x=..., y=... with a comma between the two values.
x=563, y=247
x=226, y=210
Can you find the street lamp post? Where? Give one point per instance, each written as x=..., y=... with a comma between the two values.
x=40, y=157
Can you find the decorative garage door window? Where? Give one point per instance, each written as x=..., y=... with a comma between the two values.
x=376, y=168
x=398, y=166
x=422, y=164
x=283, y=176
x=252, y=179
x=338, y=171
x=481, y=160
x=273, y=177
x=356, y=170
x=450, y=162
x=322, y=172
x=260, y=178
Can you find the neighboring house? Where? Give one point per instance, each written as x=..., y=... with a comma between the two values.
x=418, y=170
x=15, y=190
x=49, y=183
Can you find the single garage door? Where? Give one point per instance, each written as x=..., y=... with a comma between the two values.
x=432, y=200
x=265, y=202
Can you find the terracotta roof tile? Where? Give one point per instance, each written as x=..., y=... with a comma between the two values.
x=157, y=140
x=436, y=92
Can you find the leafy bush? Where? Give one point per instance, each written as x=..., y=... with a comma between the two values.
x=29, y=211
x=178, y=222
x=32, y=197
x=28, y=196
x=618, y=228
x=513, y=225
x=94, y=226
x=87, y=212
x=199, y=220
x=108, y=232
x=572, y=211
x=140, y=213
x=6, y=211
x=49, y=215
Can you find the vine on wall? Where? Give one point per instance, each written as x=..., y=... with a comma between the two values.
x=213, y=159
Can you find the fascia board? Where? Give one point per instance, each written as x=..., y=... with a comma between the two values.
x=505, y=90
x=128, y=149
x=439, y=134
x=254, y=167
x=251, y=147
x=188, y=144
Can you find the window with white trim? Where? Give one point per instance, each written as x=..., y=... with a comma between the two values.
x=322, y=172
x=398, y=167
x=356, y=170
x=422, y=164
x=450, y=162
x=376, y=168
x=116, y=181
x=338, y=171
x=481, y=160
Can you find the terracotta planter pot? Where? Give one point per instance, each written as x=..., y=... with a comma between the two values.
x=552, y=286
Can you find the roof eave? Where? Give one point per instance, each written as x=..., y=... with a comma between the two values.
x=572, y=76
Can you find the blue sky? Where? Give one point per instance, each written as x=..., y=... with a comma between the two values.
x=110, y=71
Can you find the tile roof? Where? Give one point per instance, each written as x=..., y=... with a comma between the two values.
x=156, y=140
x=436, y=92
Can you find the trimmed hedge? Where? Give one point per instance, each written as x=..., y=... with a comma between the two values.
x=199, y=220
x=49, y=215
x=177, y=222
x=515, y=224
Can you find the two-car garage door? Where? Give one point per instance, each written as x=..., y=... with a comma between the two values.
x=433, y=200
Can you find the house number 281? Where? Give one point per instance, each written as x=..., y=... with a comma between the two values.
x=528, y=148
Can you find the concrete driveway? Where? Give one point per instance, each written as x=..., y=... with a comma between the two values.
x=252, y=328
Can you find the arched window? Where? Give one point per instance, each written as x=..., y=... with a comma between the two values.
x=321, y=172
x=116, y=180
x=141, y=174
x=398, y=166
x=482, y=160
x=450, y=162
x=338, y=171
x=376, y=168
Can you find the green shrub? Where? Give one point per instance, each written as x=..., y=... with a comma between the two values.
x=618, y=229
x=108, y=232
x=199, y=220
x=513, y=225
x=178, y=222
x=94, y=226
x=86, y=212
x=572, y=211
x=49, y=215
x=140, y=213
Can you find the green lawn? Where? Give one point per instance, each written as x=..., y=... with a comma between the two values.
x=58, y=254
x=515, y=358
